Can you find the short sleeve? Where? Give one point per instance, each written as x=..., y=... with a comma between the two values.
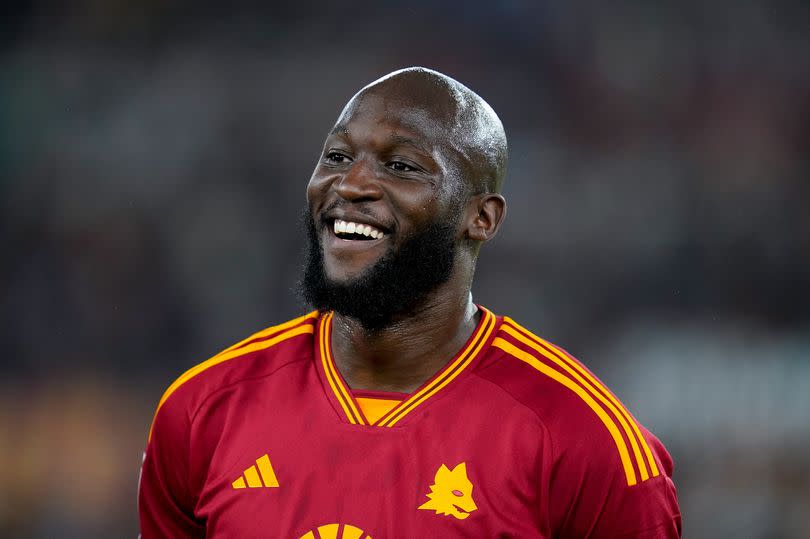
x=165, y=498
x=594, y=500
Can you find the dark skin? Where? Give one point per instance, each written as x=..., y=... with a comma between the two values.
x=397, y=160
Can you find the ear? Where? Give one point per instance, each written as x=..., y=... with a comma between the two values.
x=461, y=468
x=485, y=212
x=442, y=474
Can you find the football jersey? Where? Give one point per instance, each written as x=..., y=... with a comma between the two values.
x=513, y=437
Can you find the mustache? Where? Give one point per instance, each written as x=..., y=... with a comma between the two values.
x=392, y=286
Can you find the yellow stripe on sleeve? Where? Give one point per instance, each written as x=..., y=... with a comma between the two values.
x=562, y=355
x=226, y=356
x=525, y=340
x=269, y=331
x=582, y=394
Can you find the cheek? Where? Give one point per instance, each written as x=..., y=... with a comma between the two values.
x=315, y=189
x=420, y=202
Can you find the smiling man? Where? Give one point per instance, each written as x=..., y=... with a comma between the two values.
x=400, y=408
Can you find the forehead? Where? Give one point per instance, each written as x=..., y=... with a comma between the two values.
x=382, y=116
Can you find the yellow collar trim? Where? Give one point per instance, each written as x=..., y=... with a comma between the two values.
x=444, y=377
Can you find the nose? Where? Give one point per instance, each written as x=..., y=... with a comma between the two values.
x=359, y=183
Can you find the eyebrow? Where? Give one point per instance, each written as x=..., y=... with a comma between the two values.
x=341, y=129
x=338, y=129
x=400, y=139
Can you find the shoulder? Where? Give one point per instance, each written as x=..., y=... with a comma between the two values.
x=586, y=422
x=258, y=355
x=609, y=474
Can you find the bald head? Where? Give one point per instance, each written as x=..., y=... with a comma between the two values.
x=472, y=130
x=413, y=165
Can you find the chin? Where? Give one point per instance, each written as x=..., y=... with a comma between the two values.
x=342, y=272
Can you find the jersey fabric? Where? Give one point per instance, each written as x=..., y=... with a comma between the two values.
x=512, y=438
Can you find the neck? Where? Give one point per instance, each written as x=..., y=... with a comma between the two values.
x=403, y=355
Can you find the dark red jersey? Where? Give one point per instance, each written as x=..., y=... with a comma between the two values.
x=512, y=438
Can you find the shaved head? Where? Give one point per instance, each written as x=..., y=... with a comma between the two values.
x=472, y=130
x=404, y=194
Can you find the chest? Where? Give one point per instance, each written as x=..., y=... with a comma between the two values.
x=287, y=466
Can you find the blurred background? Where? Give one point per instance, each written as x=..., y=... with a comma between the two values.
x=153, y=160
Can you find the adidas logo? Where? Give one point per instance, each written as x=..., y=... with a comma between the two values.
x=257, y=476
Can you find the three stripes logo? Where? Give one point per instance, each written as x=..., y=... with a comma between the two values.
x=259, y=475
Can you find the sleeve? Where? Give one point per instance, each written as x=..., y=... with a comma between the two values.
x=166, y=498
x=594, y=500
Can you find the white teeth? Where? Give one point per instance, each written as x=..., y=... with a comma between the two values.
x=349, y=227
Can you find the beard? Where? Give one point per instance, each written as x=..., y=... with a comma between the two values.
x=395, y=285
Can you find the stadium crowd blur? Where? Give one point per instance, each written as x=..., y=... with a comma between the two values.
x=153, y=160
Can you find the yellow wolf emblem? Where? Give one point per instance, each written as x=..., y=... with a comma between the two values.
x=451, y=493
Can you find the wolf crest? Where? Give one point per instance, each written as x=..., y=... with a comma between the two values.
x=451, y=493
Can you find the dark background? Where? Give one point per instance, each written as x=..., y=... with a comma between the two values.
x=153, y=161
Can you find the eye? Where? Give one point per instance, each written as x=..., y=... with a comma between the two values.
x=400, y=166
x=335, y=157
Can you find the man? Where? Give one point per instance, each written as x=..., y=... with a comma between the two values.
x=400, y=408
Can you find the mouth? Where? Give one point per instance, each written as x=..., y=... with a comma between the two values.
x=352, y=242
x=462, y=513
x=356, y=231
